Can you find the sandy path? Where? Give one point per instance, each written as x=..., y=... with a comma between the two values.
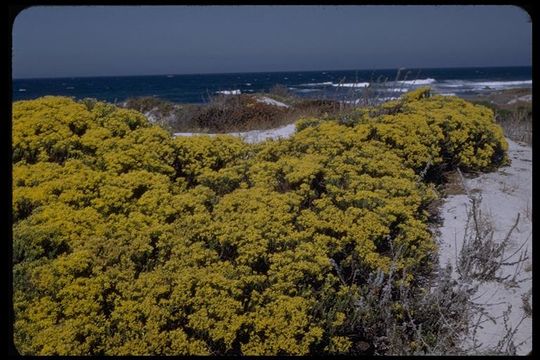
x=504, y=194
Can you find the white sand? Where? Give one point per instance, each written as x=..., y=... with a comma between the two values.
x=504, y=194
x=269, y=101
x=254, y=136
x=525, y=98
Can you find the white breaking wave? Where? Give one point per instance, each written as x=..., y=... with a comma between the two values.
x=248, y=84
x=318, y=84
x=503, y=83
x=22, y=89
x=362, y=84
x=484, y=84
x=418, y=81
x=330, y=83
x=229, y=92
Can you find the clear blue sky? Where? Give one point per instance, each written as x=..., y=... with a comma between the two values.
x=57, y=41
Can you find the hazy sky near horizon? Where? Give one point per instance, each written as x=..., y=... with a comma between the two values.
x=70, y=41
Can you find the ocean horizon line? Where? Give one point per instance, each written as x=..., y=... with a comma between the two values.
x=272, y=72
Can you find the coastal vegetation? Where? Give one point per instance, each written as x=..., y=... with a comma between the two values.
x=226, y=113
x=513, y=111
x=129, y=241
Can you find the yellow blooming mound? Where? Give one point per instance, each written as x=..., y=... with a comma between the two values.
x=129, y=241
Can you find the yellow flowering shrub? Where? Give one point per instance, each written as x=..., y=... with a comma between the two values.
x=194, y=154
x=128, y=241
x=470, y=137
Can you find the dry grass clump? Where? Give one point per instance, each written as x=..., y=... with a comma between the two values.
x=221, y=114
x=513, y=111
x=232, y=113
x=439, y=316
x=238, y=113
x=148, y=103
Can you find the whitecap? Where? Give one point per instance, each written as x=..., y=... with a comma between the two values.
x=362, y=84
x=229, y=92
x=502, y=83
x=418, y=81
x=483, y=84
x=318, y=84
x=398, y=90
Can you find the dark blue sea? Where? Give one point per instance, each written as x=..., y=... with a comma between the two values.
x=387, y=84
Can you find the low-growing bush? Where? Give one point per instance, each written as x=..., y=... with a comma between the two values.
x=515, y=118
x=128, y=241
x=238, y=113
x=148, y=103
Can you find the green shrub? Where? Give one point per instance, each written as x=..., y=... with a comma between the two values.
x=127, y=241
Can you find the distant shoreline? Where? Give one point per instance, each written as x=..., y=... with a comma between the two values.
x=336, y=85
x=272, y=72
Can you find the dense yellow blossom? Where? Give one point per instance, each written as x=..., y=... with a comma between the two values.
x=128, y=241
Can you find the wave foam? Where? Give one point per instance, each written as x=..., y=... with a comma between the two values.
x=483, y=84
x=418, y=81
x=318, y=84
x=229, y=92
x=362, y=84
x=503, y=83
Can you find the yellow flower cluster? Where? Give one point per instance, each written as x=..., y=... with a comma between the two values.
x=129, y=241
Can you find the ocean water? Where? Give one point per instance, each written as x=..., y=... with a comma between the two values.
x=343, y=85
